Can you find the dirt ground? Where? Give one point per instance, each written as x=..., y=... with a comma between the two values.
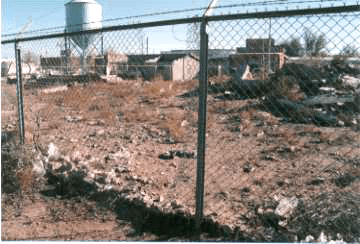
x=136, y=142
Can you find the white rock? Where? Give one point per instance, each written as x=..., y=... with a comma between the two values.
x=108, y=187
x=341, y=123
x=67, y=159
x=76, y=156
x=283, y=223
x=38, y=168
x=56, y=166
x=322, y=237
x=121, y=156
x=185, y=123
x=286, y=207
x=100, y=132
x=309, y=238
x=53, y=152
x=73, y=118
x=351, y=81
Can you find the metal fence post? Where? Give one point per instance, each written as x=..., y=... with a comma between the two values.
x=203, y=86
x=19, y=94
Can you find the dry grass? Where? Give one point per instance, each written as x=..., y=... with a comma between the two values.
x=77, y=98
x=8, y=104
x=167, y=88
x=26, y=179
x=288, y=87
x=140, y=114
x=173, y=123
x=100, y=108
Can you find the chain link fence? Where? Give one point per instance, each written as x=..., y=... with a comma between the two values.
x=285, y=101
x=282, y=118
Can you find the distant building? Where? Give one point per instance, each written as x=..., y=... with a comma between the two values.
x=110, y=62
x=181, y=66
x=67, y=63
x=259, y=53
x=7, y=67
x=260, y=45
x=167, y=66
x=218, y=59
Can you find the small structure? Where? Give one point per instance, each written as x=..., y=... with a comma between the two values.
x=167, y=66
x=259, y=53
x=218, y=59
x=110, y=63
x=65, y=64
x=183, y=66
x=7, y=67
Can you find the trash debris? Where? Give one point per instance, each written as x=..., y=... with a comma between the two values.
x=247, y=168
x=183, y=154
x=73, y=119
x=315, y=182
x=178, y=153
x=167, y=155
x=344, y=180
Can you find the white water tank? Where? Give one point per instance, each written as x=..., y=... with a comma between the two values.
x=83, y=15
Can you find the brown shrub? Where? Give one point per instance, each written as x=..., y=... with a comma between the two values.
x=288, y=87
x=25, y=178
x=140, y=114
x=167, y=88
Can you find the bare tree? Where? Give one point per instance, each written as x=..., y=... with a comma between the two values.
x=30, y=57
x=350, y=51
x=314, y=44
x=293, y=48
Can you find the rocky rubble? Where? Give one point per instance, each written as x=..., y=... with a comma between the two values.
x=74, y=175
x=329, y=217
x=299, y=93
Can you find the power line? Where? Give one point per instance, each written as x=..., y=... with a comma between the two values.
x=249, y=4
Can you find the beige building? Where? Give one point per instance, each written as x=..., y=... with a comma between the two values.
x=109, y=63
x=260, y=52
x=185, y=68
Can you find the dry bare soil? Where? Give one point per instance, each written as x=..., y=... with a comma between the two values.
x=126, y=168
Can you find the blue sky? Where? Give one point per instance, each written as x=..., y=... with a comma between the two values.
x=51, y=13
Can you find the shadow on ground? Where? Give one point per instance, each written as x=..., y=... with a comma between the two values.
x=174, y=225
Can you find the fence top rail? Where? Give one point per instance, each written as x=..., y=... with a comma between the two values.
x=256, y=15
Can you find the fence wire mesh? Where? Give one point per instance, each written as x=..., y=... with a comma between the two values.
x=283, y=121
x=289, y=117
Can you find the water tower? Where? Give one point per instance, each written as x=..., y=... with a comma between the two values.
x=82, y=15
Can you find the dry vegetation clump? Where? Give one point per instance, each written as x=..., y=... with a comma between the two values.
x=173, y=122
x=9, y=168
x=288, y=87
x=17, y=174
x=99, y=108
x=140, y=114
x=335, y=214
x=78, y=98
x=8, y=105
x=167, y=88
